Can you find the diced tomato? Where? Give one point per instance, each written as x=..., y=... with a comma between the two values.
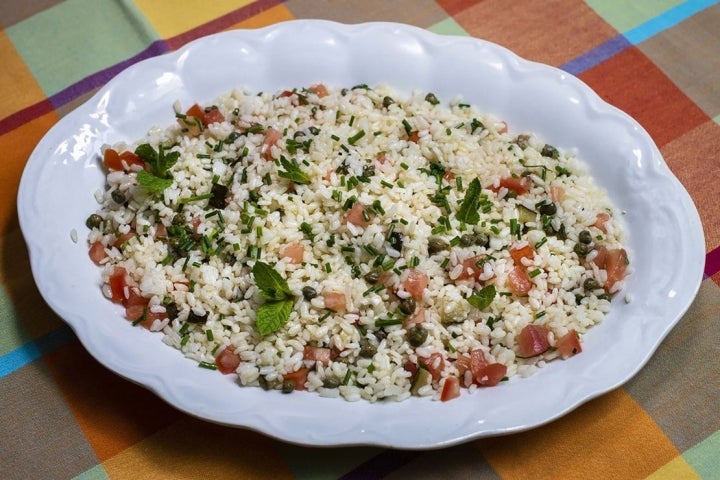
x=471, y=268
x=518, y=254
x=503, y=128
x=451, y=389
x=601, y=256
x=381, y=158
x=477, y=361
x=463, y=364
x=194, y=120
x=97, y=252
x=416, y=318
x=271, y=137
x=490, y=375
x=615, y=266
x=134, y=298
x=415, y=283
x=160, y=230
x=117, y=161
x=150, y=318
x=569, y=344
x=414, y=136
x=227, y=361
x=410, y=367
x=134, y=312
x=601, y=220
x=129, y=158
x=317, y=354
x=294, y=252
x=335, y=301
x=518, y=185
x=518, y=281
x=298, y=377
x=213, y=115
x=120, y=241
x=355, y=215
x=449, y=176
x=319, y=89
x=533, y=340
x=557, y=194
x=434, y=366
x=117, y=284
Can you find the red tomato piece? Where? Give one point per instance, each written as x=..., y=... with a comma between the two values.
x=491, y=375
x=356, y=215
x=134, y=312
x=111, y=159
x=503, y=128
x=518, y=254
x=477, y=362
x=601, y=256
x=416, y=318
x=319, y=89
x=518, y=185
x=298, y=378
x=557, y=194
x=213, y=115
x=294, y=252
x=227, y=361
x=519, y=281
x=414, y=136
x=335, y=301
x=451, y=389
x=471, y=268
x=194, y=120
x=117, y=284
x=415, y=283
x=533, y=340
x=434, y=364
x=615, y=266
x=569, y=344
x=120, y=241
x=601, y=220
x=463, y=364
x=160, y=230
x=271, y=137
x=317, y=354
x=129, y=158
x=134, y=298
x=97, y=252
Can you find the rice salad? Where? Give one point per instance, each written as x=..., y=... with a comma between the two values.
x=357, y=242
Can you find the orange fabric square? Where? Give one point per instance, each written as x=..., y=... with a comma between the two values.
x=113, y=413
x=278, y=13
x=631, y=82
x=17, y=145
x=610, y=437
x=453, y=7
x=693, y=158
x=554, y=31
x=20, y=90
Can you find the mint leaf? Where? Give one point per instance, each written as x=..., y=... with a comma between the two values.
x=483, y=298
x=272, y=286
x=153, y=183
x=293, y=171
x=468, y=211
x=271, y=316
x=148, y=154
x=166, y=161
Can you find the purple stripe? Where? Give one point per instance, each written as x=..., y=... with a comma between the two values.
x=101, y=77
x=712, y=263
x=24, y=116
x=381, y=465
x=597, y=55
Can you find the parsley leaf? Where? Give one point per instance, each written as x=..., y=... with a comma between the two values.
x=483, y=298
x=468, y=211
x=292, y=171
x=275, y=312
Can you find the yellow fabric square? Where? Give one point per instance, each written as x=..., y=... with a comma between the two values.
x=677, y=468
x=173, y=17
x=276, y=14
x=18, y=86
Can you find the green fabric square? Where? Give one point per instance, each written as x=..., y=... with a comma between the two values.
x=703, y=457
x=448, y=27
x=628, y=14
x=77, y=38
x=15, y=335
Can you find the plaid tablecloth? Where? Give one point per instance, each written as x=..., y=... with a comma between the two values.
x=62, y=415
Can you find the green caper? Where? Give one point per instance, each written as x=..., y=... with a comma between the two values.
x=331, y=382
x=431, y=98
x=523, y=141
x=548, y=209
x=309, y=293
x=387, y=101
x=578, y=299
x=467, y=239
x=94, y=221
x=436, y=245
x=481, y=239
x=591, y=284
x=407, y=305
x=585, y=237
x=288, y=386
x=550, y=151
x=118, y=197
x=372, y=277
x=604, y=296
x=511, y=194
x=417, y=335
x=367, y=349
x=368, y=170
x=581, y=249
x=178, y=220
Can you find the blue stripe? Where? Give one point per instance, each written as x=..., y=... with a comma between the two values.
x=596, y=56
x=666, y=20
x=31, y=351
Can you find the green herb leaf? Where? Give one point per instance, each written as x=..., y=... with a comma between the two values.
x=272, y=286
x=153, y=183
x=271, y=316
x=483, y=298
x=468, y=211
x=293, y=172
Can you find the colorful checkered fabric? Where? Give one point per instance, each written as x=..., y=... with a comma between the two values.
x=62, y=415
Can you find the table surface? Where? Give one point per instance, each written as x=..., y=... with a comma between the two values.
x=63, y=415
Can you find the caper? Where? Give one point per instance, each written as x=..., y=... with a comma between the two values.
x=511, y=194
x=367, y=349
x=467, y=239
x=578, y=299
x=436, y=245
x=288, y=386
x=550, y=151
x=585, y=237
x=368, y=170
x=581, y=249
x=523, y=141
x=309, y=293
x=387, y=101
x=604, y=296
x=118, y=197
x=178, y=220
x=407, y=305
x=299, y=133
x=94, y=221
x=481, y=239
x=431, y=98
x=372, y=277
x=591, y=284
x=548, y=209
x=417, y=335
x=331, y=382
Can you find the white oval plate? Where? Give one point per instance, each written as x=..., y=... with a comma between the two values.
x=56, y=196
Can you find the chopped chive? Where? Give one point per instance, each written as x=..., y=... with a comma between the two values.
x=386, y=322
x=414, y=262
x=347, y=249
x=445, y=263
x=352, y=120
x=541, y=243
x=196, y=198
x=371, y=250
x=404, y=166
x=335, y=137
x=459, y=183
x=385, y=183
x=208, y=365
x=407, y=126
x=185, y=339
x=535, y=273
x=540, y=314
x=347, y=377
x=454, y=241
x=209, y=335
x=328, y=268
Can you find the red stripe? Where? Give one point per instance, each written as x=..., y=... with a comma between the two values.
x=712, y=262
x=25, y=115
x=221, y=23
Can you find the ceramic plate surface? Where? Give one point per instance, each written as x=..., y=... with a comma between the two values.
x=56, y=196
